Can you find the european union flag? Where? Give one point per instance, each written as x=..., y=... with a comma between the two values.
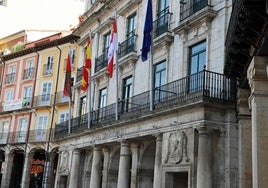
x=148, y=27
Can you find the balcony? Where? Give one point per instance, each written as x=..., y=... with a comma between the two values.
x=101, y=61
x=42, y=101
x=17, y=104
x=127, y=52
x=28, y=73
x=205, y=85
x=40, y=135
x=194, y=14
x=47, y=69
x=3, y=138
x=61, y=99
x=10, y=78
x=161, y=33
x=17, y=137
x=79, y=74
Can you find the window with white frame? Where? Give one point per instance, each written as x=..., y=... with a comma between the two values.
x=27, y=94
x=46, y=91
x=64, y=116
x=49, y=65
x=9, y=95
x=3, y=129
x=22, y=128
x=42, y=126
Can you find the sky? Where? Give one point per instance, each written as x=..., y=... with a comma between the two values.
x=39, y=15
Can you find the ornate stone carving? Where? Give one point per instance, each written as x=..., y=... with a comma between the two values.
x=64, y=161
x=177, y=148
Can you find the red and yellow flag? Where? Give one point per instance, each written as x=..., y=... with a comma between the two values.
x=87, y=67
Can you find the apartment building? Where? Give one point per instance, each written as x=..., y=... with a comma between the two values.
x=31, y=104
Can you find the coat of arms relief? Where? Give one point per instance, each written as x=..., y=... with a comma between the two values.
x=176, y=148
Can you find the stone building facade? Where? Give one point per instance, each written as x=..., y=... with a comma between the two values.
x=181, y=133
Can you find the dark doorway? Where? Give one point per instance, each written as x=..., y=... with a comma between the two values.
x=16, y=174
x=37, y=169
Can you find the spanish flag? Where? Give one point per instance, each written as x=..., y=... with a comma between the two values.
x=87, y=67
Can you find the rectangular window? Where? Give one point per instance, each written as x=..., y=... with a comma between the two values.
x=9, y=95
x=27, y=95
x=10, y=77
x=83, y=106
x=41, y=127
x=3, y=132
x=22, y=128
x=49, y=66
x=102, y=102
x=46, y=92
x=197, y=65
x=29, y=71
x=64, y=117
x=160, y=81
x=72, y=56
x=127, y=93
x=131, y=25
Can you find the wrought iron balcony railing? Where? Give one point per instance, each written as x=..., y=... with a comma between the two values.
x=128, y=45
x=42, y=100
x=28, y=73
x=161, y=24
x=102, y=60
x=10, y=78
x=47, y=69
x=40, y=135
x=202, y=85
x=17, y=137
x=187, y=10
x=79, y=74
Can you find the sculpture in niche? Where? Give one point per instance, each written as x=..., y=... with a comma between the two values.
x=64, y=161
x=177, y=148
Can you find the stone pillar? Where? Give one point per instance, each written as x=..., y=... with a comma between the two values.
x=105, y=151
x=75, y=169
x=7, y=170
x=95, y=179
x=157, y=162
x=124, y=164
x=134, y=168
x=25, y=182
x=258, y=101
x=204, y=166
x=244, y=140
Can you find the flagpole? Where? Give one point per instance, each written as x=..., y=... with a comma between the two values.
x=116, y=77
x=89, y=89
x=151, y=79
x=69, y=122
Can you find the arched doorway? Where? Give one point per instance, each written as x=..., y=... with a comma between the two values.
x=146, y=168
x=37, y=168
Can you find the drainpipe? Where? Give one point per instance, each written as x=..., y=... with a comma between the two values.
x=2, y=75
x=45, y=174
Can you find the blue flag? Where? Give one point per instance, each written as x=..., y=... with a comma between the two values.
x=148, y=27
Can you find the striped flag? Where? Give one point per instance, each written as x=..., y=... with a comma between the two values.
x=112, y=48
x=87, y=67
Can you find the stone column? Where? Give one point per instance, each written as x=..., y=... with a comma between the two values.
x=95, y=179
x=257, y=76
x=157, y=162
x=105, y=151
x=26, y=174
x=134, y=167
x=7, y=170
x=244, y=140
x=75, y=169
x=204, y=167
x=124, y=164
